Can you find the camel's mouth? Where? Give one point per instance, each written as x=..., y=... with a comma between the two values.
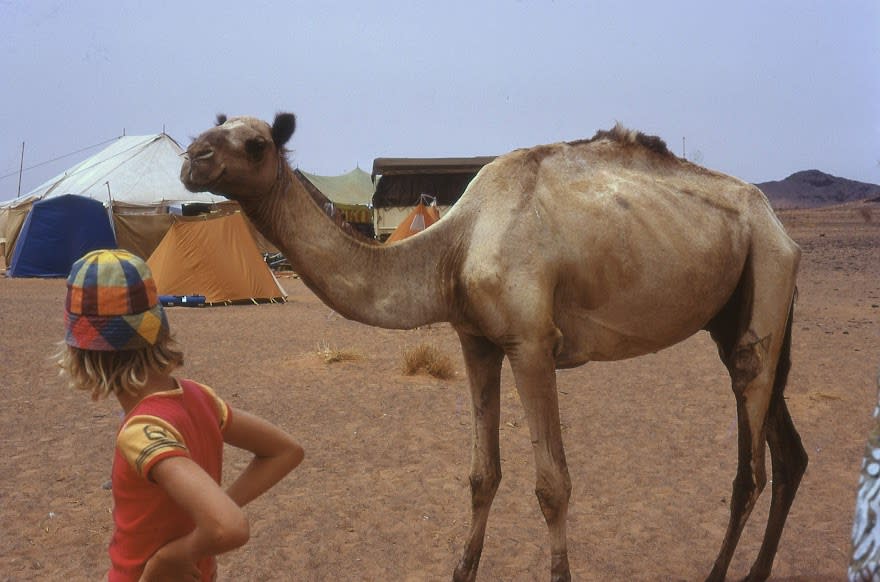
x=212, y=183
x=194, y=183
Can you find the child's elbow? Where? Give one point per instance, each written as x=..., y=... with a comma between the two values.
x=295, y=456
x=290, y=455
x=231, y=533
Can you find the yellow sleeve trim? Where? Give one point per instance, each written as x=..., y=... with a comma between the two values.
x=219, y=403
x=145, y=439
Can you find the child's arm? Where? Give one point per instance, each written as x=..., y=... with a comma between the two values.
x=275, y=455
x=221, y=525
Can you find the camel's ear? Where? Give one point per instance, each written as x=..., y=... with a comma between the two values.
x=283, y=128
x=221, y=119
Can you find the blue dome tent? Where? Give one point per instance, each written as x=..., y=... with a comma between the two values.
x=57, y=232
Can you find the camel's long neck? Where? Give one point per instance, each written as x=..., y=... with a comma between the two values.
x=401, y=286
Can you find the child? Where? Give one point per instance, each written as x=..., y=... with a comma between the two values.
x=170, y=515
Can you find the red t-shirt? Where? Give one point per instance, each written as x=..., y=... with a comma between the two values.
x=188, y=421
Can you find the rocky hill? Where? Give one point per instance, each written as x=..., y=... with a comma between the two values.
x=812, y=188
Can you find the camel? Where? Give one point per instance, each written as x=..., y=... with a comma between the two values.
x=556, y=255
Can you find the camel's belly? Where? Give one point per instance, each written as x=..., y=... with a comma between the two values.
x=640, y=286
x=591, y=340
x=632, y=323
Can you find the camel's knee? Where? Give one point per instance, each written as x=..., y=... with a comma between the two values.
x=483, y=487
x=553, y=493
x=748, y=486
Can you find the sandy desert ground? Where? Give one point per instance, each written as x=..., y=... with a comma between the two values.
x=383, y=493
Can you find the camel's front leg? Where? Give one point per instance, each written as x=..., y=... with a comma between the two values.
x=483, y=361
x=534, y=369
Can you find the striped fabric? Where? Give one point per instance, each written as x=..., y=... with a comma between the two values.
x=112, y=303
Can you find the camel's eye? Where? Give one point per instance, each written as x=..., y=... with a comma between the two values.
x=255, y=148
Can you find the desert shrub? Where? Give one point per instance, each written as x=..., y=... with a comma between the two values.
x=331, y=354
x=428, y=359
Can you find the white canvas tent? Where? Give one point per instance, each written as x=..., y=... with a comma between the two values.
x=135, y=175
x=142, y=170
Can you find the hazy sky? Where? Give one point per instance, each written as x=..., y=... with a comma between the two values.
x=758, y=89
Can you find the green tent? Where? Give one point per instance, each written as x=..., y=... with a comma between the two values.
x=350, y=193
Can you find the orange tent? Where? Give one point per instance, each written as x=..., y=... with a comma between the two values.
x=416, y=221
x=217, y=258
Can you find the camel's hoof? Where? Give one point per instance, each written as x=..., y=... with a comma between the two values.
x=559, y=569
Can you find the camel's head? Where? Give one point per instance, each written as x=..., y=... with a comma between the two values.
x=238, y=158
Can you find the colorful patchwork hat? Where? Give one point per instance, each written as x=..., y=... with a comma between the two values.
x=112, y=303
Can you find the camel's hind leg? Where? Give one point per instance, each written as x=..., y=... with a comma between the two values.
x=483, y=360
x=789, y=461
x=753, y=336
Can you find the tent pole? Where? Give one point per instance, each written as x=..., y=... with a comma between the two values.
x=110, y=209
x=20, y=169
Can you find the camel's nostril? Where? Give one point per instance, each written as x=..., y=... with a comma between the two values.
x=204, y=155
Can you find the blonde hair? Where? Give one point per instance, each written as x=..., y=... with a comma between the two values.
x=113, y=372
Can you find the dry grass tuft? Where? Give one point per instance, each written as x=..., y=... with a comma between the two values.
x=332, y=355
x=427, y=358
